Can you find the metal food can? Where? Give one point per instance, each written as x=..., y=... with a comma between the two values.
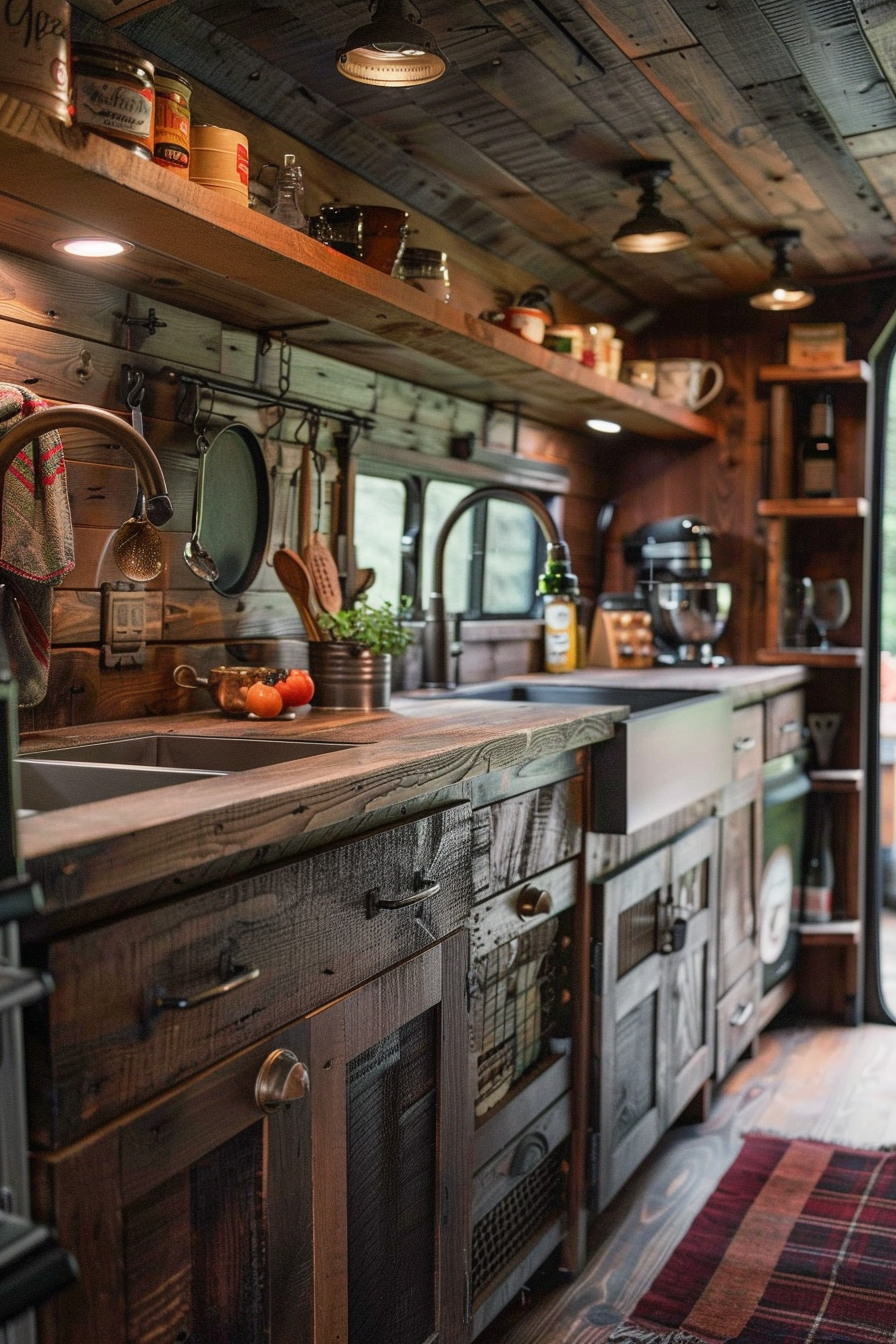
x=113, y=95
x=219, y=160
x=34, y=54
x=171, y=135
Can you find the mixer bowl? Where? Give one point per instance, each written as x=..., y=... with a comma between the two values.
x=693, y=613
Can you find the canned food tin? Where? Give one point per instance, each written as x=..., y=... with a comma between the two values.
x=113, y=94
x=219, y=160
x=34, y=54
x=171, y=135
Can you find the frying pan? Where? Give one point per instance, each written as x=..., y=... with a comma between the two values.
x=235, y=508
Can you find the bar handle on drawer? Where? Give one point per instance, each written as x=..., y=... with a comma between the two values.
x=744, y=743
x=533, y=901
x=425, y=889
x=239, y=975
x=791, y=726
x=742, y=1014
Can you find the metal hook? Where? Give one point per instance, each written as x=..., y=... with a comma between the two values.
x=136, y=388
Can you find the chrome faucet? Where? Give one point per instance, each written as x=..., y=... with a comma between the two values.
x=159, y=508
x=436, y=652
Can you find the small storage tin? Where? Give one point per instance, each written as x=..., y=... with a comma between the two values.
x=113, y=95
x=219, y=160
x=171, y=136
x=34, y=60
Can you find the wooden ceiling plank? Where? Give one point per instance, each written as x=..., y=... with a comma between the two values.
x=115, y=12
x=872, y=145
x=881, y=173
x=740, y=40
x=877, y=19
x=638, y=28
x=568, y=60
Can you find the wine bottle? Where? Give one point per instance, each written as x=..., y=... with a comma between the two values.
x=560, y=589
x=818, y=882
x=818, y=451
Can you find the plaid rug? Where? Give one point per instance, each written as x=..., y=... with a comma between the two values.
x=796, y=1246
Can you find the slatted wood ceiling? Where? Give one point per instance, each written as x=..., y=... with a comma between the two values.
x=774, y=113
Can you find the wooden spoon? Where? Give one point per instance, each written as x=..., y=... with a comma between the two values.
x=291, y=571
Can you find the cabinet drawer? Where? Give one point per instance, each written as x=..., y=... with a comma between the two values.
x=785, y=717
x=524, y=1152
x=147, y=1001
x=747, y=728
x=519, y=837
x=737, y=1019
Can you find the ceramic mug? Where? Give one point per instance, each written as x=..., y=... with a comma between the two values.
x=681, y=380
x=529, y=323
x=640, y=373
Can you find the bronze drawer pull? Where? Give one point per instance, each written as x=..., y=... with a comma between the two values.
x=239, y=975
x=281, y=1079
x=744, y=744
x=424, y=890
x=742, y=1014
x=534, y=901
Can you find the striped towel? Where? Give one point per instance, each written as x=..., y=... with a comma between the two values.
x=36, y=544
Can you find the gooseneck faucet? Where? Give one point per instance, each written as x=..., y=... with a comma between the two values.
x=435, y=629
x=159, y=508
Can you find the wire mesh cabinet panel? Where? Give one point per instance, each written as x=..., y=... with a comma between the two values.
x=654, y=962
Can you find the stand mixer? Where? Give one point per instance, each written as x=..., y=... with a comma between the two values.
x=673, y=562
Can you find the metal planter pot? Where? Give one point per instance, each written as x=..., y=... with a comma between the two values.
x=348, y=676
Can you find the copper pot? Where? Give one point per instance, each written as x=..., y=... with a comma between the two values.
x=374, y=234
x=227, y=685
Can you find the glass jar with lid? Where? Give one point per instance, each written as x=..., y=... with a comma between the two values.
x=426, y=269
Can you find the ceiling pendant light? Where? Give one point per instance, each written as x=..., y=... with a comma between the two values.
x=650, y=231
x=782, y=293
x=393, y=50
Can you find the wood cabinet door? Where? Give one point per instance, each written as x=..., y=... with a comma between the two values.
x=336, y=1217
x=689, y=991
x=740, y=865
x=628, y=1039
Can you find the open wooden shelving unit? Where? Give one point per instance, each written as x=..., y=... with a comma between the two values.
x=825, y=538
x=238, y=266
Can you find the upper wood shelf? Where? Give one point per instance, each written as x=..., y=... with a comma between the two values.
x=833, y=657
x=240, y=267
x=813, y=508
x=855, y=371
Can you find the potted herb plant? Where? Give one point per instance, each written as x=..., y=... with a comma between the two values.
x=352, y=665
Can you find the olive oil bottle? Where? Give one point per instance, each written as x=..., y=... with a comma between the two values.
x=560, y=589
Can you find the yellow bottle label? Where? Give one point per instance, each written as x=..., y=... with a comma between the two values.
x=560, y=635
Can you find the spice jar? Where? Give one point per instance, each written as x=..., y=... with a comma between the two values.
x=113, y=95
x=171, y=136
x=565, y=340
x=426, y=269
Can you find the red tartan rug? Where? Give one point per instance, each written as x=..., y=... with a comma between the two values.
x=796, y=1246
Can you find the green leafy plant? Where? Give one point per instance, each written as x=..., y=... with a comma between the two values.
x=379, y=629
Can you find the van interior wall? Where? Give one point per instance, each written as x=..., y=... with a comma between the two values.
x=722, y=482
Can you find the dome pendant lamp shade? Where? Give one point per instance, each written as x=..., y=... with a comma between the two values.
x=393, y=50
x=782, y=293
x=650, y=231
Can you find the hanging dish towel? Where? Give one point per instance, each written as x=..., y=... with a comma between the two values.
x=36, y=544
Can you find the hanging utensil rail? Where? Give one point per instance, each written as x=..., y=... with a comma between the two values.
x=259, y=396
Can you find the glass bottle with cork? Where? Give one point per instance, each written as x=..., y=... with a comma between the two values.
x=818, y=451
x=560, y=589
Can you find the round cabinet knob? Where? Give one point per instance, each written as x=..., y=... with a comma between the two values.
x=281, y=1079
x=533, y=901
x=528, y=1155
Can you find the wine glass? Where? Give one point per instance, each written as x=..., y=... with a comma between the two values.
x=831, y=605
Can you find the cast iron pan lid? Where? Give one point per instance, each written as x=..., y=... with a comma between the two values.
x=235, y=508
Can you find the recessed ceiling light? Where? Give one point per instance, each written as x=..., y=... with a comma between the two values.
x=604, y=426
x=782, y=293
x=92, y=247
x=393, y=50
x=650, y=231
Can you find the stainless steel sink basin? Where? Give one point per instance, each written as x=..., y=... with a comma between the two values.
x=673, y=750
x=103, y=770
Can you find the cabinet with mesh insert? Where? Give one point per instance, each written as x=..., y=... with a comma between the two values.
x=653, y=992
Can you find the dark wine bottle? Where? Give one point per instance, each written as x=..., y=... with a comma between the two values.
x=818, y=882
x=818, y=452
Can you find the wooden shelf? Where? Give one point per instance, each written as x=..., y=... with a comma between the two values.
x=855, y=371
x=812, y=508
x=222, y=259
x=838, y=933
x=842, y=658
x=837, y=781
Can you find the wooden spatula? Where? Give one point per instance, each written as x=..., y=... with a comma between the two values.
x=291, y=571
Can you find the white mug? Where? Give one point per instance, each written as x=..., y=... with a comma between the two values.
x=640, y=373
x=680, y=381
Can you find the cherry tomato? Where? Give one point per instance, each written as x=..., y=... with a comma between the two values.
x=297, y=689
x=264, y=701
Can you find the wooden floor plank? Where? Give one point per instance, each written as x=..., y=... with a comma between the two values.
x=833, y=1084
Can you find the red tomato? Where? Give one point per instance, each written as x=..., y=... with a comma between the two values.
x=297, y=689
x=264, y=701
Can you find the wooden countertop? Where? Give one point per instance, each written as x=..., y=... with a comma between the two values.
x=130, y=850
